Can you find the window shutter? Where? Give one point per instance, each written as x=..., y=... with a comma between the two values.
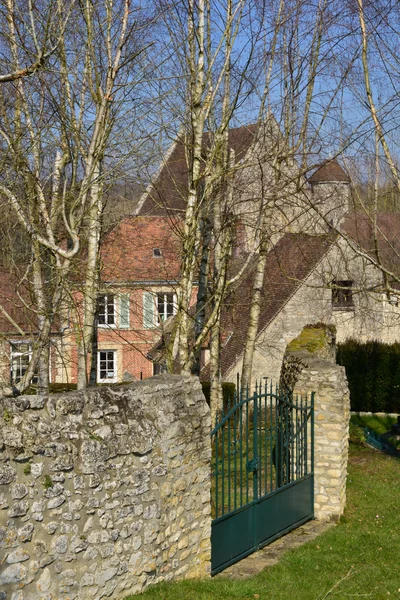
x=148, y=310
x=124, y=311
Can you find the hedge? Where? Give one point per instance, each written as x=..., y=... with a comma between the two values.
x=228, y=390
x=373, y=373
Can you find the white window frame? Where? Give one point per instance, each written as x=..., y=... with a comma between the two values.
x=14, y=354
x=161, y=317
x=106, y=315
x=107, y=379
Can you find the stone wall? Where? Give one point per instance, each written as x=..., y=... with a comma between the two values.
x=331, y=433
x=104, y=492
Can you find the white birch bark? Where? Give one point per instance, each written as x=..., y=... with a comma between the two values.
x=61, y=204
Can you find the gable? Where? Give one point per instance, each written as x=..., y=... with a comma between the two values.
x=289, y=264
x=168, y=194
x=141, y=249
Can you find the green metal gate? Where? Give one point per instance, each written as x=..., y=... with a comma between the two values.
x=262, y=472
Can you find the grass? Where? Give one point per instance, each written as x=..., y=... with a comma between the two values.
x=357, y=559
x=379, y=425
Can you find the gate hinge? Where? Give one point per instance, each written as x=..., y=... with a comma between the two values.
x=252, y=465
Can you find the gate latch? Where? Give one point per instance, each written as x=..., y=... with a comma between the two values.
x=252, y=465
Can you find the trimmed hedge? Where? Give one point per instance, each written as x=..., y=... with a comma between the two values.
x=228, y=390
x=373, y=373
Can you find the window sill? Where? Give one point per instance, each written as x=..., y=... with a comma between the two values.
x=350, y=308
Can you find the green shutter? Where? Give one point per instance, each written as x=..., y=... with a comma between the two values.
x=148, y=310
x=124, y=311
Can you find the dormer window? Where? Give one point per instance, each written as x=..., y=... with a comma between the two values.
x=342, y=295
x=157, y=252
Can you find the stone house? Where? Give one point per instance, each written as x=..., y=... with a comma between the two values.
x=312, y=274
x=318, y=269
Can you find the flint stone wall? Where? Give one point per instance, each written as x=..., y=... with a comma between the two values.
x=331, y=430
x=104, y=492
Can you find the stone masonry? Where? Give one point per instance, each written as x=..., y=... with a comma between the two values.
x=104, y=492
x=331, y=418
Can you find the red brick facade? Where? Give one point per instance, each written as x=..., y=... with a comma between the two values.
x=140, y=261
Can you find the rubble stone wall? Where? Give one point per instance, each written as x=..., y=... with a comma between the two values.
x=104, y=492
x=331, y=432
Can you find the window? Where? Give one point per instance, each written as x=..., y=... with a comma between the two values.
x=165, y=306
x=21, y=354
x=159, y=368
x=157, y=307
x=107, y=366
x=106, y=310
x=157, y=252
x=342, y=295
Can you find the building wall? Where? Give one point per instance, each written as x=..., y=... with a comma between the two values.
x=132, y=341
x=371, y=317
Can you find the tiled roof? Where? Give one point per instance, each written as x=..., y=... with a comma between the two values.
x=169, y=191
x=330, y=171
x=141, y=249
x=360, y=227
x=289, y=264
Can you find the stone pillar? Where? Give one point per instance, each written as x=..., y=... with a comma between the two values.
x=331, y=418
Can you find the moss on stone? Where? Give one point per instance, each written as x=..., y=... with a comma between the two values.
x=311, y=339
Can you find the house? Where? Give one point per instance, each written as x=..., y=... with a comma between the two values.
x=140, y=262
x=312, y=274
x=18, y=327
x=140, y=270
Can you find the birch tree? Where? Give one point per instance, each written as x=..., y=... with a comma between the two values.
x=58, y=132
x=309, y=95
x=209, y=39
x=379, y=31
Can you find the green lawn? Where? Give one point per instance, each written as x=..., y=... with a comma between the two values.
x=357, y=559
x=378, y=424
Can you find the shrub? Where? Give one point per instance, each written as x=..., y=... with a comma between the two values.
x=373, y=373
x=356, y=434
x=48, y=482
x=228, y=390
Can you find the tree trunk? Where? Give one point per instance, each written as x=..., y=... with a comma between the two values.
x=254, y=318
x=92, y=280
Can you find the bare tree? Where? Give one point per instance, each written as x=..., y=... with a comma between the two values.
x=39, y=31
x=58, y=132
x=289, y=48
x=207, y=32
